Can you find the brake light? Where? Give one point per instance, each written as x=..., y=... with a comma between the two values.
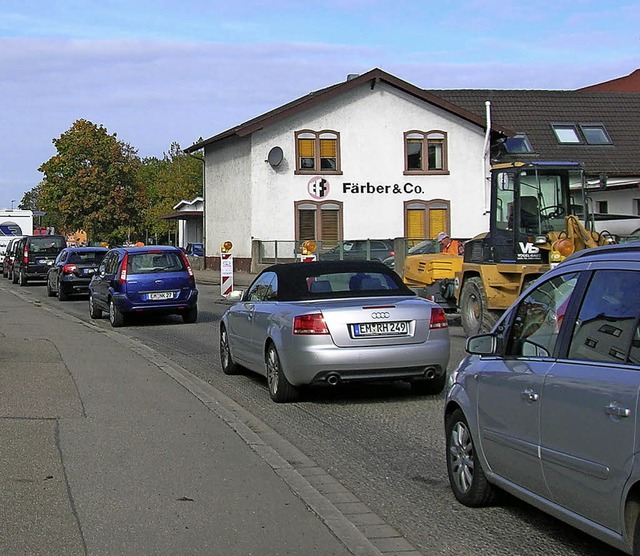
x=69, y=268
x=192, y=278
x=310, y=324
x=438, y=318
x=123, y=269
x=25, y=254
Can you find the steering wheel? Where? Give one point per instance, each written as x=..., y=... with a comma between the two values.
x=553, y=211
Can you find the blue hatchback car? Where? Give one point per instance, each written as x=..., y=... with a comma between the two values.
x=148, y=279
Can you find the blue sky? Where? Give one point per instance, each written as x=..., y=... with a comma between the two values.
x=158, y=72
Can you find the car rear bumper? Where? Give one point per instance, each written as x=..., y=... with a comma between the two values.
x=124, y=304
x=310, y=362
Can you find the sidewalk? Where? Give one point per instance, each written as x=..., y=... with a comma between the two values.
x=107, y=447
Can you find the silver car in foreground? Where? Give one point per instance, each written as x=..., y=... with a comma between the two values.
x=547, y=406
x=335, y=321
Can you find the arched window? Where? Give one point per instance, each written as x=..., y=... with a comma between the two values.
x=426, y=219
x=320, y=221
x=425, y=152
x=317, y=152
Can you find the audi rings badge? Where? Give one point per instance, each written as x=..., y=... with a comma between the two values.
x=380, y=315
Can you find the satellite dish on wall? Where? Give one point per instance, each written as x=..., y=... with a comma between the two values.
x=275, y=156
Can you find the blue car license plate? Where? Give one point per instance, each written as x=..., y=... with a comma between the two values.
x=157, y=296
x=396, y=328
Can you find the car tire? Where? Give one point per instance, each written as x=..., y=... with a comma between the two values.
x=94, y=312
x=636, y=538
x=280, y=389
x=190, y=315
x=50, y=292
x=475, y=316
x=229, y=367
x=22, y=278
x=429, y=387
x=466, y=476
x=116, y=317
x=14, y=277
x=62, y=295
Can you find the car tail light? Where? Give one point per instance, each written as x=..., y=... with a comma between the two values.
x=69, y=268
x=438, y=318
x=123, y=269
x=192, y=278
x=310, y=324
x=25, y=254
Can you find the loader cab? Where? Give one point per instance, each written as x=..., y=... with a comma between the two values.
x=528, y=201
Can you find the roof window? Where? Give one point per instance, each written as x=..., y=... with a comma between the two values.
x=580, y=134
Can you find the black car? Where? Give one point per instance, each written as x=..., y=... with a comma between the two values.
x=72, y=271
x=34, y=257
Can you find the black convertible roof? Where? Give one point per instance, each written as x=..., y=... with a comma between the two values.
x=292, y=278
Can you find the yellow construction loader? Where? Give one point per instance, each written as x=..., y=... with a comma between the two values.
x=533, y=225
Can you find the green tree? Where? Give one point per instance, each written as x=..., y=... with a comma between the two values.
x=92, y=183
x=31, y=200
x=167, y=181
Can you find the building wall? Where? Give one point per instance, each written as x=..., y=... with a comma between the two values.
x=248, y=198
x=228, y=198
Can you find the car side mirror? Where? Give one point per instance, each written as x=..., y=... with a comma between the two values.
x=235, y=295
x=482, y=344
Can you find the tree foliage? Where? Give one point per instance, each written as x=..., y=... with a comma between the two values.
x=175, y=177
x=92, y=183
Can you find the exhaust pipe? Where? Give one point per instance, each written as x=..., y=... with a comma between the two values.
x=431, y=373
x=333, y=379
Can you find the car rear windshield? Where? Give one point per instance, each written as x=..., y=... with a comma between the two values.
x=46, y=245
x=149, y=263
x=87, y=257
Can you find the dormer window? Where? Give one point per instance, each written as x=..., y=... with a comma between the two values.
x=518, y=144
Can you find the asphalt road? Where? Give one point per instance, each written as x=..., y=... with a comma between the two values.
x=381, y=442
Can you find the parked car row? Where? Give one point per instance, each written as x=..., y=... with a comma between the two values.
x=545, y=407
x=121, y=282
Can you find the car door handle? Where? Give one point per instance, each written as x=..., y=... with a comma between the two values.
x=529, y=395
x=617, y=411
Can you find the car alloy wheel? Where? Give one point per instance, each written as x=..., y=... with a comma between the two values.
x=116, y=318
x=280, y=389
x=466, y=476
x=228, y=366
x=94, y=312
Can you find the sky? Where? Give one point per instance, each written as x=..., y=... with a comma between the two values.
x=161, y=72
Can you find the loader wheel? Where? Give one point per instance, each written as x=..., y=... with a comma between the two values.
x=475, y=317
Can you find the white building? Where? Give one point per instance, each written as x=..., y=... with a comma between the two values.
x=377, y=157
x=372, y=157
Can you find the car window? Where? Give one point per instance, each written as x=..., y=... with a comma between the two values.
x=86, y=257
x=62, y=256
x=607, y=324
x=154, y=262
x=539, y=316
x=350, y=282
x=46, y=244
x=109, y=264
x=265, y=288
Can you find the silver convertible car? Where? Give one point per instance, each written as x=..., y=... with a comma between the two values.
x=328, y=322
x=547, y=406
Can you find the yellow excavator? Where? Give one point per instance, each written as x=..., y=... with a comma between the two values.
x=534, y=224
